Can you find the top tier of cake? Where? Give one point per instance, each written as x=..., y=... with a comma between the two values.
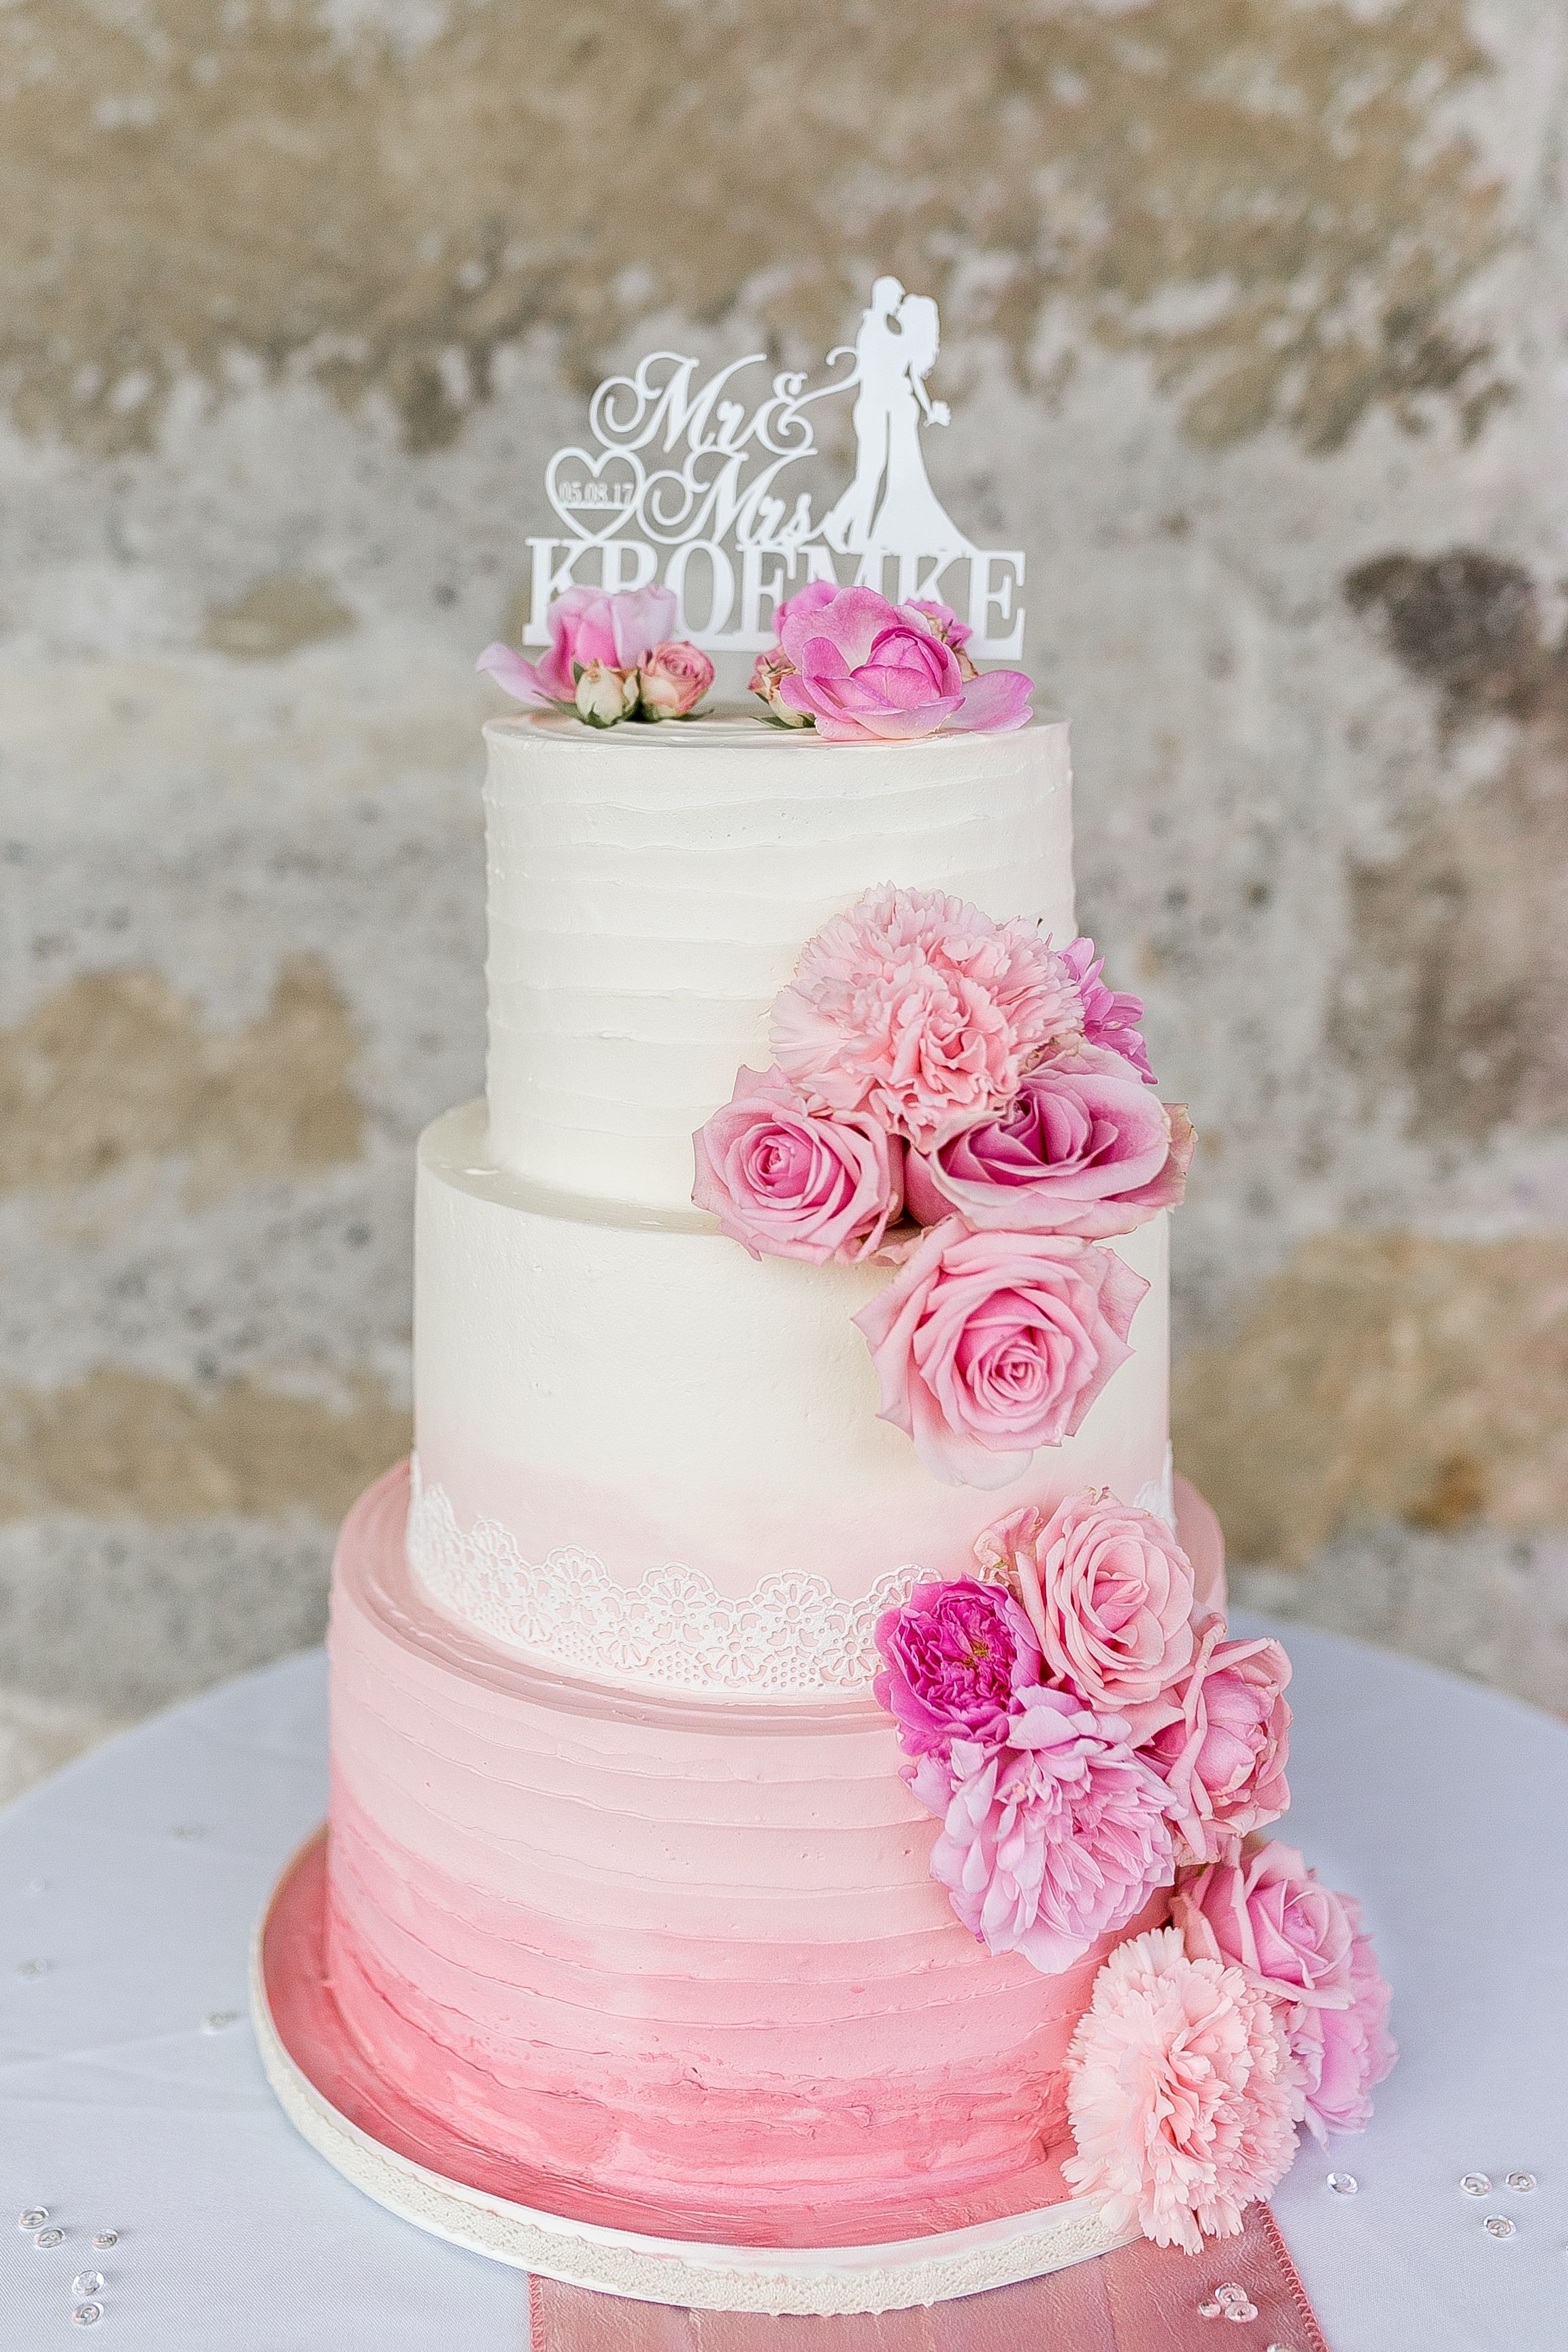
x=650, y=889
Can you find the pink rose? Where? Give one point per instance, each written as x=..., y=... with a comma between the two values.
x=1084, y=1148
x=768, y=673
x=1304, y=1947
x=1180, y=2092
x=1108, y=1589
x=988, y=1345
x=919, y=1008
x=789, y=1182
x=586, y=626
x=804, y=602
x=945, y=624
x=866, y=670
x=1052, y=1842
x=954, y=1658
x=671, y=678
x=1224, y=1753
x=1111, y=1016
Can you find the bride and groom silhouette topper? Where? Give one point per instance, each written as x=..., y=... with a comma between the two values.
x=718, y=498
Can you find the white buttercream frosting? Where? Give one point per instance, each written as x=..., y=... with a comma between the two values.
x=650, y=889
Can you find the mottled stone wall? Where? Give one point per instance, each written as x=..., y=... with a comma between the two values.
x=1254, y=334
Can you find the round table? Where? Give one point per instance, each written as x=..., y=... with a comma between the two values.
x=132, y=2098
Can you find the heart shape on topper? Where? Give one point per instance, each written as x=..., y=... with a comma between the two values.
x=592, y=470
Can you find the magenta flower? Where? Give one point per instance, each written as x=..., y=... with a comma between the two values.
x=1223, y=1754
x=865, y=670
x=1180, y=2092
x=988, y=1345
x=954, y=1657
x=1304, y=1947
x=786, y=1181
x=922, y=1010
x=1051, y=1842
x=1108, y=1589
x=586, y=626
x=1084, y=1148
x=1111, y=1016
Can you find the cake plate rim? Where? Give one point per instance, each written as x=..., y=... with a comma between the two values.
x=690, y=2273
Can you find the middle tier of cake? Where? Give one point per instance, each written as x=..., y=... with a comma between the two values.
x=642, y=1452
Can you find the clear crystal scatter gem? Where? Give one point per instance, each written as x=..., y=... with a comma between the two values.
x=49, y=2237
x=1344, y=2184
x=1280, y=2348
x=33, y=1967
x=103, y=2238
x=36, y=1886
x=1475, y=2184
x=1241, y=2311
x=87, y=2283
x=1213, y=2309
x=1522, y=2183
x=87, y=2314
x=1230, y=2293
x=32, y=2217
x=1498, y=2225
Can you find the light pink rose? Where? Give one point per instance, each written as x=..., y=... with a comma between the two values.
x=790, y=1182
x=1051, y=1842
x=1223, y=1755
x=1084, y=1148
x=1108, y=1591
x=1303, y=1944
x=1180, y=2092
x=866, y=670
x=585, y=625
x=767, y=672
x=1111, y=1016
x=988, y=1345
x=671, y=678
x=921, y=1009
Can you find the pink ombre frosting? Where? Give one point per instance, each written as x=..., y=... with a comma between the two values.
x=693, y=1958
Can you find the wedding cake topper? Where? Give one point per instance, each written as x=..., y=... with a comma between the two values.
x=689, y=488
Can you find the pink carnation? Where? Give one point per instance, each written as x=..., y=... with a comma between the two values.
x=1111, y=1016
x=954, y=1658
x=789, y=1182
x=586, y=626
x=988, y=1345
x=1109, y=1592
x=1224, y=1753
x=1303, y=1945
x=1180, y=2093
x=922, y=1010
x=868, y=671
x=1052, y=1842
x=1084, y=1148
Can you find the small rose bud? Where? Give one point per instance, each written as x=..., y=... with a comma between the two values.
x=769, y=669
x=673, y=678
x=605, y=696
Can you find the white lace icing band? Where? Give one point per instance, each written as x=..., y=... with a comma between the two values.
x=793, y=1634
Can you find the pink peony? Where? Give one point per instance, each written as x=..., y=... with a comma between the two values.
x=1084, y=1148
x=954, y=1657
x=1109, y=1592
x=1224, y=1753
x=671, y=678
x=1052, y=1842
x=789, y=1182
x=1111, y=1016
x=868, y=671
x=585, y=625
x=988, y=1345
x=1303, y=1945
x=922, y=1010
x=1180, y=2093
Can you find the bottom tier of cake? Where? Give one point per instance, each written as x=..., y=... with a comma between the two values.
x=683, y=1959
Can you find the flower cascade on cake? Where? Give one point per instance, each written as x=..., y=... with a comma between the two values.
x=611, y=656
x=1083, y=1744
x=958, y=1098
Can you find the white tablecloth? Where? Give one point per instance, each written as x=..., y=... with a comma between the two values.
x=127, y=2102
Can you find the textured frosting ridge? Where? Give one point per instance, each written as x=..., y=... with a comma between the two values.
x=693, y=1957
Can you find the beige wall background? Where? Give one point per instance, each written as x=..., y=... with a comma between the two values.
x=1254, y=316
